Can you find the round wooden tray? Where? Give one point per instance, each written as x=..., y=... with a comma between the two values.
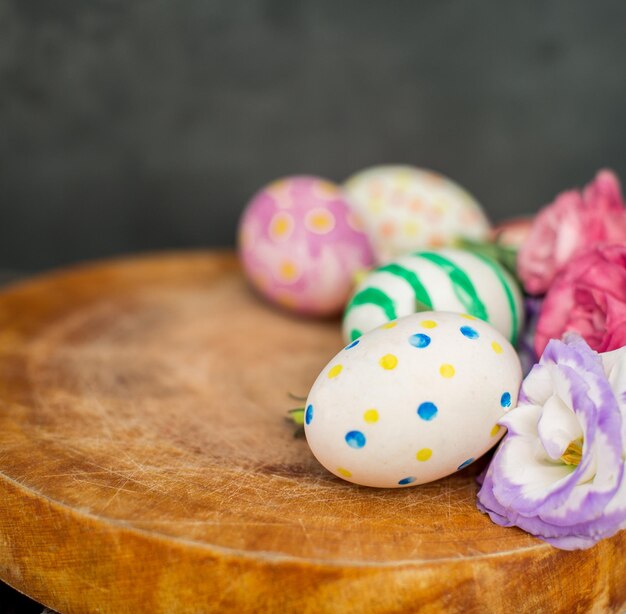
x=146, y=465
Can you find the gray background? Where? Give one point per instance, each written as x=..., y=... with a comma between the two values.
x=128, y=125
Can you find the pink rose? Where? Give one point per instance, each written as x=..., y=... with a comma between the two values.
x=588, y=297
x=573, y=222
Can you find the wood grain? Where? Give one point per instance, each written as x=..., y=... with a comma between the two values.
x=146, y=465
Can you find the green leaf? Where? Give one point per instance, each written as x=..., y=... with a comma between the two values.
x=295, y=397
x=506, y=256
x=297, y=415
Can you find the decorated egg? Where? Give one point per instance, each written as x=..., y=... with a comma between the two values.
x=406, y=208
x=301, y=245
x=444, y=279
x=413, y=400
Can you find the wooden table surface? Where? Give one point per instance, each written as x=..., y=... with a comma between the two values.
x=146, y=465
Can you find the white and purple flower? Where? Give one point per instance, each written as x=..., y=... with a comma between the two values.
x=560, y=471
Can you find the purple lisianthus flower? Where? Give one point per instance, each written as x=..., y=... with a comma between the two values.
x=560, y=471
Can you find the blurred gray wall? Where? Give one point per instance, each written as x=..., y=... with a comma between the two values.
x=128, y=125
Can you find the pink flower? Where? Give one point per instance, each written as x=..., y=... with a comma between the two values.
x=588, y=297
x=573, y=222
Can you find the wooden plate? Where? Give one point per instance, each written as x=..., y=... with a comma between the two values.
x=146, y=465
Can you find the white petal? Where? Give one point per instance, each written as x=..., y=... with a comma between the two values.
x=538, y=384
x=558, y=426
x=612, y=359
x=615, y=367
x=523, y=462
x=522, y=420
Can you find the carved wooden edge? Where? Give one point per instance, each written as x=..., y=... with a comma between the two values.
x=72, y=561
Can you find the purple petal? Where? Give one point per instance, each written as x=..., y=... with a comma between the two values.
x=566, y=396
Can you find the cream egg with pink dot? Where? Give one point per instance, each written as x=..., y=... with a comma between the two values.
x=405, y=208
x=301, y=246
x=412, y=401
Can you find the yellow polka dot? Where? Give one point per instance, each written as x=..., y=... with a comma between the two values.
x=344, y=472
x=371, y=415
x=375, y=205
x=429, y=323
x=497, y=348
x=320, y=221
x=467, y=316
x=281, y=226
x=325, y=189
x=446, y=370
x=389, y=324
x=411, y=228
x=402, y=178
x=360, y=276
x=335, y=371
x=288, y=271
x=279, y=191
x=388, y=361
x=440, y=207
x=495, y=430
x=424, y=454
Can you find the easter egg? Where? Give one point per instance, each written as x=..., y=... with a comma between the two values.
x=413, y=400
x=406, y=208
x=446, y=279
x=301, y=245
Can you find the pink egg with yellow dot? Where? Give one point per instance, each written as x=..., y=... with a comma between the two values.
x=301, y=245
x=415, y=400
x=406, y=209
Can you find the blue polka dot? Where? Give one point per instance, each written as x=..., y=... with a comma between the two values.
x=308, y=414
x=427, y=410
x=505, y=399
x=469, y=332
x=355, y=439
x=419, y=340
x=408, y=480
x=469, y=461
x=355, y=342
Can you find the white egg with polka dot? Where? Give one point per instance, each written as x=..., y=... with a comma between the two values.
x=412, y=401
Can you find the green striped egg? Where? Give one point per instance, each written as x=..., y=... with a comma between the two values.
x=439, y=280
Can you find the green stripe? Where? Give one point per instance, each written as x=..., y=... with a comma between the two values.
x=423, y=302
x=461, y=284
x=375, y=296
x=507, y=290
x=355, y=333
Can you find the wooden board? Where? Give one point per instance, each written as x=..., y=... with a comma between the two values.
x=146, y=465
